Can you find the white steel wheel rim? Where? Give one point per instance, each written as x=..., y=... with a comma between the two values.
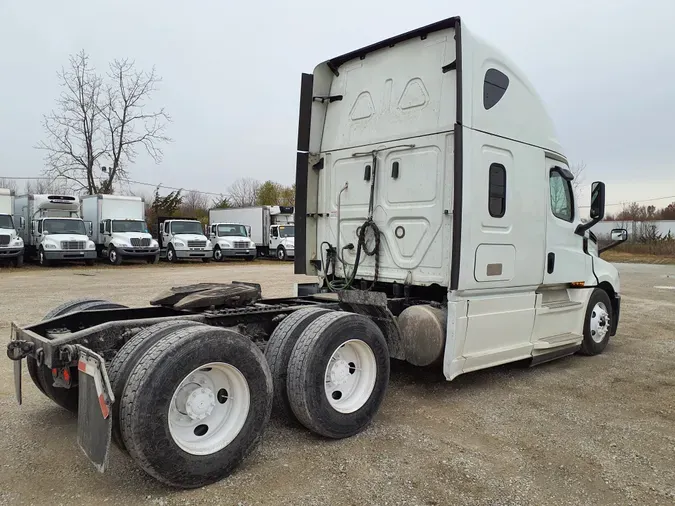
x=350, y=376
x=209, y=408
x=599, y=322
x=113, y=255
x=280, y=254
x=217, y=254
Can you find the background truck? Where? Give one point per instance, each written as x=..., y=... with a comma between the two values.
x=119, y=228
x=230, y=240
x=11, y=244
x=437, y=211
x=53, y=229
x=271, y=227
x=183, y=239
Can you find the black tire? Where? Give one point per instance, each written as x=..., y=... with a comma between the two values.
x=126, y=359
x=18, y=261
x=589, y=346
x=171, y=254
x=114, y=256
x=42, y=377
x=281, y=253
x=278, y=353
x=218, y=254
x=148, y=394
x=43, y=261
x=206, y=260
x=307, y=369
x=153, y=259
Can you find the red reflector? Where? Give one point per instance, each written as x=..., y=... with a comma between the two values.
x=55, y=372
x=66, y=375
x=82, y=366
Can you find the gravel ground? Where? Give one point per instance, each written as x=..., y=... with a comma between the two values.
x=598, y=430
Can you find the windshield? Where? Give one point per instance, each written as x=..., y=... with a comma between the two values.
x=186, y=227
x=129, y=226
x=6, y=221
x=286, y=231
x=232, y=230
x=53, y=226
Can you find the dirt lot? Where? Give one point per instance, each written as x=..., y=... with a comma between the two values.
x=597, y=430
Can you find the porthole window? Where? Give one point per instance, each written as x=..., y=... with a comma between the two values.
x=494, y=87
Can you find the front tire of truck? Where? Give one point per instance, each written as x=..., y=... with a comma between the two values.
x=67, y=398
x=153, y=259
x=281, y=253
x=278, y=353
x=171, y=254
x=114, y=256
x=597, y=323
x=218, y=254
x=43, y=261
x=338, y=374
x=195, y=405
x=18, y=261
x=126, y=359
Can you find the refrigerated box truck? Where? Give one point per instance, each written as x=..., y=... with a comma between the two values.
x=53, y=229
x=271, y=227
x=119, y=228
x=11, y=243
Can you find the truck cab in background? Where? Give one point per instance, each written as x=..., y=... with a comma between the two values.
x=120, y=231
x=11, y=244
x=183, y=239
x=231, y=240
x=282, y=241
x=53, y=229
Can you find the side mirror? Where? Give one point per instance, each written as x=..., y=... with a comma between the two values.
x=22, y=223
x=101, y=227
x=597, y=201
x=90, y=228
x=597, y=212
x=619, y=234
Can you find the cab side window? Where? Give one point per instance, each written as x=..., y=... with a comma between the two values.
x=562, y=203
x=275, y=232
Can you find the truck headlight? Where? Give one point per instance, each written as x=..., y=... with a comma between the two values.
x=208, y=244
x=18, y=241
x=225, y=245
x=154, y=244
x=91, y=245
x=178, y=243
x=49, y=245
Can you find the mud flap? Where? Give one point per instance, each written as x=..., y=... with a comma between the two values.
x=94, y=416
x=17, y=369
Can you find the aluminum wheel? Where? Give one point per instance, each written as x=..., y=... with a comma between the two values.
x=112, y=256
x=217, y=255
x=350, y=376
x=209, y=408
x=599, y=322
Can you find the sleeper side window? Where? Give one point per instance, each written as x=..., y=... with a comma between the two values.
x=497, y=190
x=494, y=87
x=562, y=202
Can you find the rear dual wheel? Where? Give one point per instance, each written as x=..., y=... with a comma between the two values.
x=336, y=373
x=195, y=404
x=42, y=376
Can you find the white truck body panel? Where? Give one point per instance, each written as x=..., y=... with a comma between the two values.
x=441, y=141
x=11, y=244
x=185, y=245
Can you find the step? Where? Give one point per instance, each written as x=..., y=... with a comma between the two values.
x=557, y=341
x=561, y=306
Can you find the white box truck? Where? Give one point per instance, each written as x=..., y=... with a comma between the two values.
x=436, y=208
x=271, y=227
x=11, y=243
x=230, y=240
x=53, y=229
x=120, y=230
x=183, y=239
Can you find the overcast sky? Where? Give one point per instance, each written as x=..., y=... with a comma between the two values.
x=231, y=75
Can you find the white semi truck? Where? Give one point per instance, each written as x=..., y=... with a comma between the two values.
x=11, y=243
x=434, y=205
x=53, y=229
x=119, y=228
x=183, y=239
x=271, y=227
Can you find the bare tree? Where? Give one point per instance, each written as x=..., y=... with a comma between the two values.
x=243, y=192
x=98, y=123
x=41, y=186
x=193, y=202
x=577, y=170
x=9, y=184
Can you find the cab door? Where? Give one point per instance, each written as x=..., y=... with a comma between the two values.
x=565, y=260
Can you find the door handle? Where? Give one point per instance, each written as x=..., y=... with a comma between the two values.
x=550, y=264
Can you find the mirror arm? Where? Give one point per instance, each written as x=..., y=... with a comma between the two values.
x=610, y=246
x=582, y=227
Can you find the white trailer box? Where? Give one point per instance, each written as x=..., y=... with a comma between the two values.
x=271, y=227
x=54, y=230
x=120, y=230
x=11, y=244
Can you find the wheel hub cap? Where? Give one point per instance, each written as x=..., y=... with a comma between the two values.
x=600, y=322
x=200, y=403
x=339, y=372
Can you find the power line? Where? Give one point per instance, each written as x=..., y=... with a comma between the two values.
x=637, y=201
